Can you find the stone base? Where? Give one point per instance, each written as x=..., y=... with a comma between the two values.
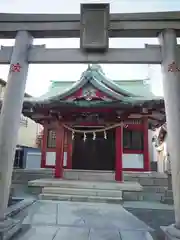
x=8, y=228
x=168, y=197
x=14, y=218
x=171, y=232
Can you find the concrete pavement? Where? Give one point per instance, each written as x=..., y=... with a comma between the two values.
x=54, y=220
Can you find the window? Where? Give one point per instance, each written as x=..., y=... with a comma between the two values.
x=132, y=139
x=51, y=141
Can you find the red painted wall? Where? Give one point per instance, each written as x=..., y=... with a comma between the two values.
x=67, y=146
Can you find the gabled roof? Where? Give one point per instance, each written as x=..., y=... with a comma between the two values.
x=138, y=87
x=124, y=95
x=117, y=90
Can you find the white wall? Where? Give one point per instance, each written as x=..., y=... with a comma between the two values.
x=27, y=134
x=132, y=160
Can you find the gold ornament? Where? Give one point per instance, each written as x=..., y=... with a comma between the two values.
x=105, y=135
x=84, y=139
x=72, y=135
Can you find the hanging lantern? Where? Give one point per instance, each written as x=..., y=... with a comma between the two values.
x=94, y=135
x=105, y=135
x=84, y=139
x=73, y=135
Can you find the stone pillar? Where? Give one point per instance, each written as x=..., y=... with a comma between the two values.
x=171, y=85
x=11, y=112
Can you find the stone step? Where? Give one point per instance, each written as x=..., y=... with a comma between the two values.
x=167, y=200
x=154, y=175
x=142, y=196
x=145, y=179
x=132, y=196
x=162, y=182
x=168, y=193
x=128, y=186
x=83, y=192
x=22, y=176
x=80, y=198
x=148, y=181
x=152, y=196
x=89, y=175
x=154, y=189
x=167, y=197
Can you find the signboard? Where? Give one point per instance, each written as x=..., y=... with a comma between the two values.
x=94, y=27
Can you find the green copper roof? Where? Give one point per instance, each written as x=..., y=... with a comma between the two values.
x=124, y=90
x=138, y=87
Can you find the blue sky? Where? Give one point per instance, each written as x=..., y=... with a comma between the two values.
x=40, y=75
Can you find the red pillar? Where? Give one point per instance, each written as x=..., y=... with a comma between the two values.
x=69, y=151
x=146, y=145
x=119, y=152
x=59, y=152
x=44, y=146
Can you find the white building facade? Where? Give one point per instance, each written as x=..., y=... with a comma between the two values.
x=28, y=129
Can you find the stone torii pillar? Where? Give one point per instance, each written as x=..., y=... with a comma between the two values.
x=171, y=85
x=10, y=115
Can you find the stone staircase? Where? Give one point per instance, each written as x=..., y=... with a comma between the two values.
x=68, y=190
x=81, y=195
x=89, y=175
x=153, y=186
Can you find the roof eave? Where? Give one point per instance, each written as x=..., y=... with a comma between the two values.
x=112, y=85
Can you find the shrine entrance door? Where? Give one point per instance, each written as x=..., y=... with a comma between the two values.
x=98, y=154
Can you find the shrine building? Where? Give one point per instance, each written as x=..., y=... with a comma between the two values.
x=96, y=123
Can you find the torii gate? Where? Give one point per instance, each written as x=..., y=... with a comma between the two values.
x=93, y=26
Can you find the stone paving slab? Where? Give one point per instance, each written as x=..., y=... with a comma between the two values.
x=39, y=233
x=103, y=234
x=135, y=235
x=82, y=221
x=147, y=205
x=42, y=213
x=69, y=233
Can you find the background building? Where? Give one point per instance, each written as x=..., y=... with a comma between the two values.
x=28, y=137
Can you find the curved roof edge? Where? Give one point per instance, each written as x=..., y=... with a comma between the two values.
x=96, y=77
x=111, y=84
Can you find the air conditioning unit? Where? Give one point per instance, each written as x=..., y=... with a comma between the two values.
x=94, y=27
